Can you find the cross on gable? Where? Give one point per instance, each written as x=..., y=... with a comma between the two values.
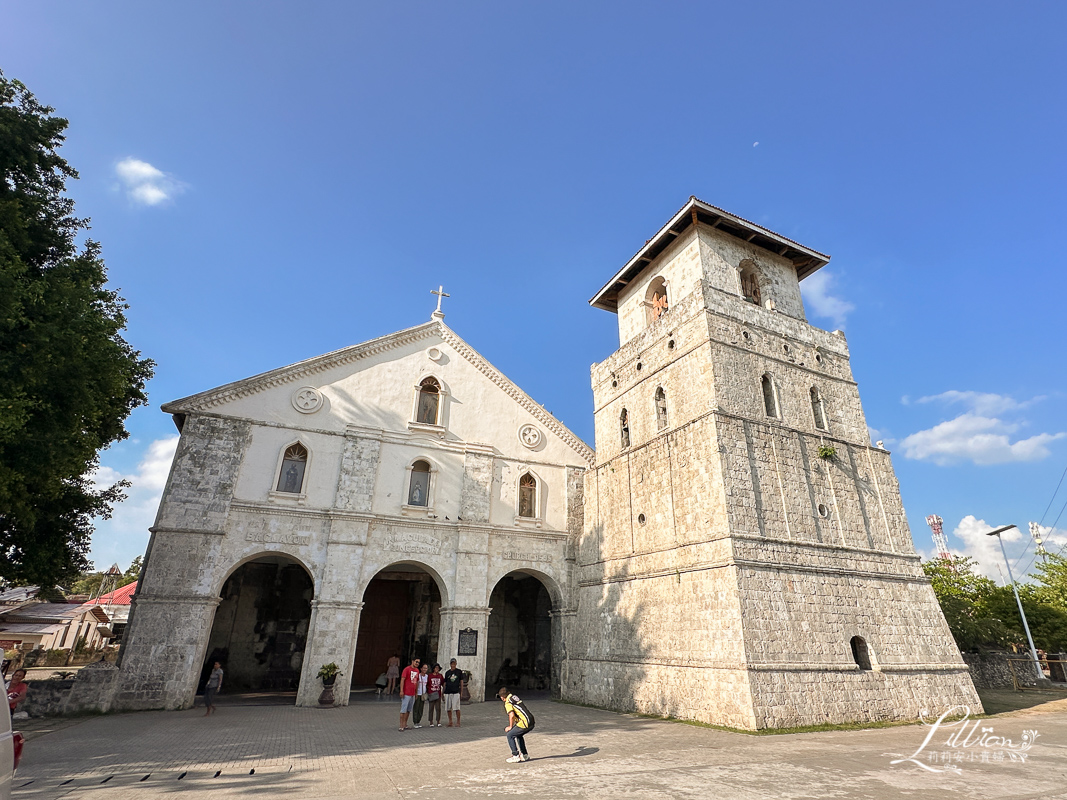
x=441, y=294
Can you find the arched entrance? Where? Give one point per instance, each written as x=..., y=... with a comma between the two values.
x=518, y=652
x=402, y=616
x=261, y=626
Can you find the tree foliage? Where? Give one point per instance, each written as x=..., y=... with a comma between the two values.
x=983, y=615
x=963, y=595
x=68, y=379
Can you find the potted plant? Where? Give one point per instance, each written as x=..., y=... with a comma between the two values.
x=328, y=673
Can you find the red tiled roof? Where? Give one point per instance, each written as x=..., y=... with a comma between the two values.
x=119, y=597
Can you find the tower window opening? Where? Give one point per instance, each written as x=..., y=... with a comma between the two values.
x=656, y=300
x=624, y=428
x=860, y=654
x=770, y=397
x=817, y=410
x=750, y=284
x=661, y=409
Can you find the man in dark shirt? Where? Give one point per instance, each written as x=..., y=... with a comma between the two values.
x=454, y=680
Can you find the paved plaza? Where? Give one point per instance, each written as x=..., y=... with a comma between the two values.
x=256, y=747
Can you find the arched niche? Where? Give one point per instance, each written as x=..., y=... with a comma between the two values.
x=260, y=628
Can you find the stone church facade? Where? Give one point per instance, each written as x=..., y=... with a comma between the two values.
x=735, y=551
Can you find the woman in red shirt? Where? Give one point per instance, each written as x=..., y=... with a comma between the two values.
x=16, y=690
x=435, y=682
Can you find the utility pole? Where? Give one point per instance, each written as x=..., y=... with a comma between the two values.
x=1026, y=626
x=1035, y=532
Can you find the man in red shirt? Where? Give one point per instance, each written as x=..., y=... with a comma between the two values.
x=409, y=687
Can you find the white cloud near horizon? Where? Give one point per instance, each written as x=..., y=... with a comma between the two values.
x=817, y=298
x=985, y=549
x=125, y=536
x=976, y=435
x=146, y=185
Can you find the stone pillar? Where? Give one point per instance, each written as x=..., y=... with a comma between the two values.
x=165, y=651
x=561, y=625
x=453, y=620
x=331, y=639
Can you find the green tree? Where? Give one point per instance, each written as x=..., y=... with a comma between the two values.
x=68, y=379
x=964, y=596
x=1048, y=623
x=1052, y=581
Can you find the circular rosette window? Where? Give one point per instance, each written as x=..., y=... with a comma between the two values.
x=307, y=399
x=530, y=436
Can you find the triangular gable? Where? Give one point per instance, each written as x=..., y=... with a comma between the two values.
x=302, y=369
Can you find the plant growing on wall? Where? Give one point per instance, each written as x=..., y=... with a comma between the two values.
x=827, y=452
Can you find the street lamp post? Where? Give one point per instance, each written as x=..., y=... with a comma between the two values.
x=1026, y=627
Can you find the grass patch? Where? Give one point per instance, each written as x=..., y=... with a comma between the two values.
x=826, y=726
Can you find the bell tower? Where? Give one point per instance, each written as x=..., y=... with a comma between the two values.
x=745, y=560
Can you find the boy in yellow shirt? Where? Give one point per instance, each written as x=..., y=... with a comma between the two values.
x=520, y=723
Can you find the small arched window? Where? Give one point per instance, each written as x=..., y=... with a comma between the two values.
x=770, y=396
x=661, y=409
x=528, y=496
x=429, y=401
x=624, y=428
x=294, y=463
x=419, y=488
x=860, y=654
x=817, y=410
x=750, y=283
x=656, y=299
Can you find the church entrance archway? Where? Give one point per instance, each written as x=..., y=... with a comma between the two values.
x=401, y=616
x=518, y=652
x=261, y=626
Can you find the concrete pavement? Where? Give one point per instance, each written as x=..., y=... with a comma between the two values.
x=269, y=750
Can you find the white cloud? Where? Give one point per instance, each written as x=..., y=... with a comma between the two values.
x=124, y=536
x=816, y=291
x=971, y=437
x=983, y=403
x=145, y=184
x=977, y=435
x=986, y=549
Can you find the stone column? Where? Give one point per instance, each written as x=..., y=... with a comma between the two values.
x=453, y=620
x=165, y=651
x=331, y=639
x=562, y=620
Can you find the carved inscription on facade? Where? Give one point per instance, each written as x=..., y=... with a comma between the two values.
x=511, y=555
x=413, y=543
x=263, y=537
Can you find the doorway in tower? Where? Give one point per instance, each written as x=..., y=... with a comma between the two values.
x=401, y=616
x=261, y=626
x=518, y=651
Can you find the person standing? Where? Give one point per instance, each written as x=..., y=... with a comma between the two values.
x=434, y=684
x=454, y=679
x=409, y=687
x=392, y=673
x=16, y=689
x=520, y=723
x=211, y=688
x=420, y=697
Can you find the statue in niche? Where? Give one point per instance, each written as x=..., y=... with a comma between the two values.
x=292, y=480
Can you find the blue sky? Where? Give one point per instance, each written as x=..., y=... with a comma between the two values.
x=273, y=181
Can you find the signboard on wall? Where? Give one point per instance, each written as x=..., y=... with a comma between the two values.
x=468, y=642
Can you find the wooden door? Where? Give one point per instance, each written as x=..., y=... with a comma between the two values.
x=386, y=605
